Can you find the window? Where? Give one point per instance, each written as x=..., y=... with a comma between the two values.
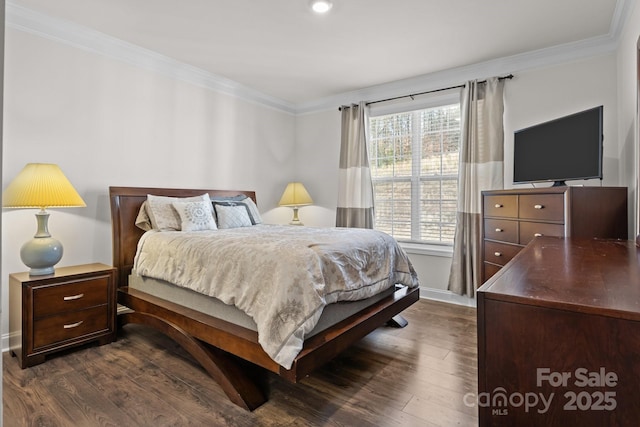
x=414, y=159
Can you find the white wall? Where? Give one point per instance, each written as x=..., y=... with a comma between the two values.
x=318, y=154
x=108, y=123
x=543, y=94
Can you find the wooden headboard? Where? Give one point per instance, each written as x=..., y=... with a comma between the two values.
x=125, y=204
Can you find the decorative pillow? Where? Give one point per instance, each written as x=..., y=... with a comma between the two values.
x=195, y=216
x=253, y=210
x=162, y=213
x=142, y=220
x=230, y=203
x=232, y=216
x=254, y=214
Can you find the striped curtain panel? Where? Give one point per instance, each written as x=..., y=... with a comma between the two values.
x=355, y=192
x=481, y=168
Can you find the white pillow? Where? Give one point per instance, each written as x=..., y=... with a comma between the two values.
x=162, y=213
x=232, y=216
x=195, y=216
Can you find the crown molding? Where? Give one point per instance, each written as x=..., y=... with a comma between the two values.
x=455, y=76
x=30, y=21
x=622, y=11
x=24, y=19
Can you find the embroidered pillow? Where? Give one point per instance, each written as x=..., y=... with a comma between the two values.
x=162, y=213
x=232, y=216
x=195, y=216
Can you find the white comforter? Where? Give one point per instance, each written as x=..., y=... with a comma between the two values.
x=281, y=276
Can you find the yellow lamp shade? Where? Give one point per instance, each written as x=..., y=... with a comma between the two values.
x=295, y=195
x=41, y=185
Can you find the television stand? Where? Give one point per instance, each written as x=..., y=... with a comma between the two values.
x=559, y=184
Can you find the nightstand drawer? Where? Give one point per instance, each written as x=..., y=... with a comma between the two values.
x=70, y=296
x=69, y=326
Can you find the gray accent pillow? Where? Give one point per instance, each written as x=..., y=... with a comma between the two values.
x=254, y=214
x=232, y=215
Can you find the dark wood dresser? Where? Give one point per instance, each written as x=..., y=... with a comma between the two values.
x=558, y=336
x=511, y=218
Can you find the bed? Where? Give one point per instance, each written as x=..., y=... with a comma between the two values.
x=229, y=350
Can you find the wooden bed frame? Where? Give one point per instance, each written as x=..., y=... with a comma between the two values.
x=223, y=348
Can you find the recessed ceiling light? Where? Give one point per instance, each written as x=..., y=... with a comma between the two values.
x=321, y=6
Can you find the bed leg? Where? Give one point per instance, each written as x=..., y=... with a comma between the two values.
x=221, y=366
x=397, y=321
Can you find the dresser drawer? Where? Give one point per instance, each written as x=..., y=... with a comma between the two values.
x=499, y=253
x=501, y=206
x=529, y=230
x=70, y=296
x=489, y=271
x=543, y=207
x=68, y=326
x=501, y=229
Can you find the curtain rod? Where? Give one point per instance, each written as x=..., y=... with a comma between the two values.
x=509, y=77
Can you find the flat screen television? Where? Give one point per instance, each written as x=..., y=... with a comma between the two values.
x=567, y=148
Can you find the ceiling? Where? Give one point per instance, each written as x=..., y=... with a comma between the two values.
x=283, y=50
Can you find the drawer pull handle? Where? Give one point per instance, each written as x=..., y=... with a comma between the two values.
x=498, y=230
x=498, y=205
x=73, y=325
x=538, y=234
x=538, y=207
x=73, y=297
x=497, y=254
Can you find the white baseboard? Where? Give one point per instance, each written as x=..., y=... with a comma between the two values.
x=443, y=295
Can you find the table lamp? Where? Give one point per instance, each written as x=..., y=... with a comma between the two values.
x=41, y=185
x=295, y=195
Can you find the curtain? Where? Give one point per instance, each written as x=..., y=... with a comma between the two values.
x=355, y=192
x=481, y=168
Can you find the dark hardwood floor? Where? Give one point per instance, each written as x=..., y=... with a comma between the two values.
x=416, y=376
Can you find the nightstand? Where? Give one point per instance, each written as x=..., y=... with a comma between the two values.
x=73, y=306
